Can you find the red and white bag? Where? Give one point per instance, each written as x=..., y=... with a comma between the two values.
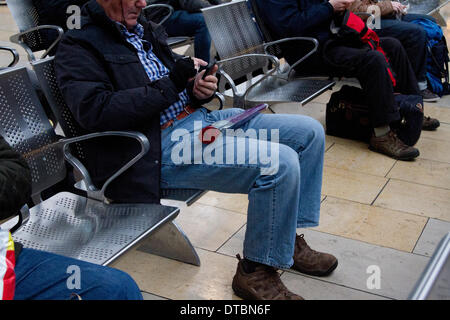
x=7, y=264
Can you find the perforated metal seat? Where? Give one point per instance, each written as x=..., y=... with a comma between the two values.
x=148, y=13
x=45, y=73
x=426, y=6
x=68, y=224
x=243, y=52
x=33, y=37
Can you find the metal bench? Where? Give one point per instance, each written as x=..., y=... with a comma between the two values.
x=32, y=37
x=45, y=73
x=434, y=284
x=14, y=54
x=86, y=228
x=243, y=52
x=426, y=6
x=171, y=41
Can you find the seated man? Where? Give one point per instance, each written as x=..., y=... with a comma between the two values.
x=117, y=73
x=41, y=275
x=187, y=20
x=312, y=18
x=413, y=38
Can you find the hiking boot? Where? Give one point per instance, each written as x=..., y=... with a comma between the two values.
x=310, y=261
x=262, y=284
x=392, y=146
x=429, y=96
x=430, y=124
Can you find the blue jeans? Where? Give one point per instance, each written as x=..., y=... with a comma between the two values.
x=46, y=276
x=284, y=193
x=183, y=23
x=413, y=38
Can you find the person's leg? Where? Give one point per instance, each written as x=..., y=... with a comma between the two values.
x=183, y=23
x=297, y=162
x=406, y=82
x=46, y=276
x=277, y=160
x=413, y=38
x=371, y=69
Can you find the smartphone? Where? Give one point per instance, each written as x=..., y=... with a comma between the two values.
x=207, y=69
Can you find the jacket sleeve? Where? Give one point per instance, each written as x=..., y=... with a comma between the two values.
x=288, y=20
x=15, y=181
x=89, y=93
x=193, y=5
x=362, y=5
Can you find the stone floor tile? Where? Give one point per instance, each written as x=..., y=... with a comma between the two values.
x=422, y=171
x=229, y=201
x=383, y=227
x=358, y=158
x=417, y=199
x=434, y=231
x=177, y=280
x=436, y=150
x=351, y=185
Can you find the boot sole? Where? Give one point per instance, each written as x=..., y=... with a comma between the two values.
x=317, y=273
x=405, y=158
x=242, y=294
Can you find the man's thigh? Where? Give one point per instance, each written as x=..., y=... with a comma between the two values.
x=236, y=158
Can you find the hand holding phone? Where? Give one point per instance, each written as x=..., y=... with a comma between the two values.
x=207, y=69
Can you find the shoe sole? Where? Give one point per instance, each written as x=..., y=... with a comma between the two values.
x=431, y=99
x=242, y=294
x=317, y=273
x=406, y=158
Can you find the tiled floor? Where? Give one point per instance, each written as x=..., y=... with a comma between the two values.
x=375, y=212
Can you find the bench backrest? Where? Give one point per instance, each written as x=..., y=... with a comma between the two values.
x=45, y=72
x=234, y=33
x=25, y=126
x=26, y=17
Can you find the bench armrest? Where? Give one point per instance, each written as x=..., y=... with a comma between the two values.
x=313, y=40
x=272, y=58
x=13, y=53
x=18, y=38
x=159, y=5
x=87, y=184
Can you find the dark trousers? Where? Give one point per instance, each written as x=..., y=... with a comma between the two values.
x=413, y=38
x=370, y=68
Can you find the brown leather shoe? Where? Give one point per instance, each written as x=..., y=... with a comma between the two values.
x=430, y=124
x=262, y=284
x=392, y=146
x=310, y=261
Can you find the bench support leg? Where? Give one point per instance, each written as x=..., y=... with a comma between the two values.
x=171, y=242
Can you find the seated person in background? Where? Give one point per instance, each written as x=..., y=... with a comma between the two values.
x=42, y=275
x=312, y=18
x=54, y=12
x=413, y=38
x=117, y=73
x=187, y=20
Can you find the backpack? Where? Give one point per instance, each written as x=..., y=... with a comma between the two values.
x=347, y=116
x=437, y=60
x=350, y=30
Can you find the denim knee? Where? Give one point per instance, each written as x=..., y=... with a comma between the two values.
x=121, y=286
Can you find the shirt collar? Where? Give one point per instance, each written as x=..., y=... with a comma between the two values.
x=137, y=30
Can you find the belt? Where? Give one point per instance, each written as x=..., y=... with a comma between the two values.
x=183, y=114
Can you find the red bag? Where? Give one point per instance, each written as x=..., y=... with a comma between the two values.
x=7, y=264
x=353, y=31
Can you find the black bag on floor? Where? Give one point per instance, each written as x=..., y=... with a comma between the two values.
x=347, y=116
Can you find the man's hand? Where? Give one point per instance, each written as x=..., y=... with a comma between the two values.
x=203, y=89
x=398, y=7
x=199, y=62
x=341, y=5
